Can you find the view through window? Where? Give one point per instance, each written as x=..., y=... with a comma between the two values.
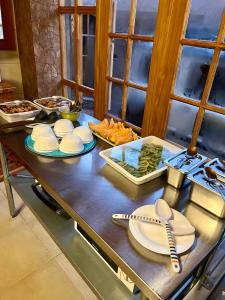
x=197, y=112
x=77, y=28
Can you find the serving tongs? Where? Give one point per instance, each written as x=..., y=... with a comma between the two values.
x=191, y=153
x=212, y=179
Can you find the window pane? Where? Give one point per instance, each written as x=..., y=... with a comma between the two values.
x=204, y=20
x=88, y=50
x=87, y=104
x=1, y=28
x=181, y=121
x=119, y=56
x=89, y=24
x=217, y=95
x=146, y=14
x=140, y=62
x=67, y=2
x=115, y=99
x=69, y=92
x=135, y=106
x=193, y=71
x=122, y=15
x=69, y=43
x=211, y=139
x=87, y=2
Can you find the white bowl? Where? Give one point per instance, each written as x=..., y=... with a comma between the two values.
x=41, y=130
x=46, y=143
x=84, y=133
x=63, y=127
x=71, y=144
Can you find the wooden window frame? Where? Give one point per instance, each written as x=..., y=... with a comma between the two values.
x=106, y=15
x=203, y=104
x=8, y=42
x=77, y=10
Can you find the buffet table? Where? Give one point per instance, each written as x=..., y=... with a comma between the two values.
x=91, y=192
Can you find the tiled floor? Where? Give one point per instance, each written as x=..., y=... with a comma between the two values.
x=32, y=267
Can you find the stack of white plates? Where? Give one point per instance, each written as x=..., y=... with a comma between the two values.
x=154, y=237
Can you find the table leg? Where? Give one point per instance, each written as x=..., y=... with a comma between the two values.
x=8, y=187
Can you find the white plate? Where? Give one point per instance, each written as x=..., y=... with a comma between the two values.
x=121, y=150
x=153, y=236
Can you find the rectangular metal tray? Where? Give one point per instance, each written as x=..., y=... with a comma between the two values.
x=176, y=177
x=204, y=195
x=49, y=110
x=16, y=117
x=136, y=145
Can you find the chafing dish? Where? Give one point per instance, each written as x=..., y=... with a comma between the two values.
x=204, y=194
x=216, y=166
x=176, y=176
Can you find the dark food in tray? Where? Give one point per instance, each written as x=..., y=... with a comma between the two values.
x=53, y=102
x=19, y=107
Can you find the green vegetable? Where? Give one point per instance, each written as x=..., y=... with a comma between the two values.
x=149, y=158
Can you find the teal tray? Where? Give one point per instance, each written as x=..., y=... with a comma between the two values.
x=29, y=144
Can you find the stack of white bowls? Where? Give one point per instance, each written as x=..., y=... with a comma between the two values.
x=63, y=127
x=73, y=140
x=44, y=139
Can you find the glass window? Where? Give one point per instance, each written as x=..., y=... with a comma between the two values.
x=87, y=2
x=181, y=122
x=119, y=55
x=87, y=104
x=193, y=71
x=122, y=15
x=69, y=44
x=88, y=50
x=204, y=19
x=140, y=62
x=211, y=140
x=146, y=14
x=135, y=106
x=1, y=28
x=217, y=94
x=69, y=92
x=115, y=99
x=67, y=2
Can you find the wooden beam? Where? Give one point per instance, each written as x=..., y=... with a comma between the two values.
x=170, y=26
x=83, y=10
x=128, y=58
x=102, y=57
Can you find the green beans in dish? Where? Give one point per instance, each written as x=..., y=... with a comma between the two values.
x=146, y=160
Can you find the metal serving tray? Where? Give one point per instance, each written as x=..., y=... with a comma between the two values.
x=16, y=117
x=214, y=164
x=50, y=110
x=129, y=153
x=176, y=177
x=203, y=194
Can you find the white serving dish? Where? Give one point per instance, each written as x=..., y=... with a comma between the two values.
x=50, y=110
x=136, y=146
x=16, y=117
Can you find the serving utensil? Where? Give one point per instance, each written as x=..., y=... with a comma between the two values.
x=221, y=165
x=212, y=178
x=164, y=213
x=177, y=226
x=190, y=154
